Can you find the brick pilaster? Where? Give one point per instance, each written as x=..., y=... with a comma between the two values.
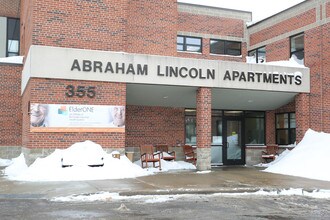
x=203, y=128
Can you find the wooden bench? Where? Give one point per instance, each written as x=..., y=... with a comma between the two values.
x=270, y=153
x=165, y=153
x=190, y=155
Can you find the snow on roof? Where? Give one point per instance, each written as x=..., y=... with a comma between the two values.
x=14, y=60
x=292, y=62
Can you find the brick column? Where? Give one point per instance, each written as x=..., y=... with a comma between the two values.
x=203, y=128
x=302, y=115
x=270, y=127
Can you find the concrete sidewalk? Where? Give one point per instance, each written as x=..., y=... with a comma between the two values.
x=222, y=179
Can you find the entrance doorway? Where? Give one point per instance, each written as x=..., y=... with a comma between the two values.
x=227, y=139
x=233, y=147
x=231, y=131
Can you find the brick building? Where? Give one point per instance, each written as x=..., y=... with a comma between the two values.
x=176, y=73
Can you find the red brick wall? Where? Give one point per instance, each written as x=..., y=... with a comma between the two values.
x=203, y=117
x=220, y=26
x=210, y=25
x=52, y=91
x=26, y=27
x=328, y=9
x=286, y=26
x=279, y=50
x=98, y=25
x=302, y=115
x=314, y=48
x=154, y=125
x=10, y=108
x=10, y=8
x=152, y=27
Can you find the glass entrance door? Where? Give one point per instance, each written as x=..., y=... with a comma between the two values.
x=233, y=147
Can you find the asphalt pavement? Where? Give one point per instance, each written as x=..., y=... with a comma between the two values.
x=220, y=179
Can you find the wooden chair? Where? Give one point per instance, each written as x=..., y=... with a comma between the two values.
x=166, y=155
x=189, y=154
x=148, y=155
x=270, y=153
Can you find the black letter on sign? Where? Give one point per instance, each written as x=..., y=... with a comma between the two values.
x=75, y=65
x=227, y=76
x=87, y=65
x=298, y=80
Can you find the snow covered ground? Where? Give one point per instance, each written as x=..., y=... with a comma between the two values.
x=80, y=155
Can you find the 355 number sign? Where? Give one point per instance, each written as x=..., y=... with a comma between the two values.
x=80, y=91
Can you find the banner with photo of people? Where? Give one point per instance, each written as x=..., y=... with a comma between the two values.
x=76, y=116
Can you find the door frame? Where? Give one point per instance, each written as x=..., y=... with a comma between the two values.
x=224, y=141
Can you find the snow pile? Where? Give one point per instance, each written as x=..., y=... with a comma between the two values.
x=14, y=59
x=80, y=155
x=5, y=162
x=277, y=159
x=309, y=159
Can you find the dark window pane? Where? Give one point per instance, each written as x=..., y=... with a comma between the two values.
x=297, y=43
x=233, y=48
x=217, y=47
x=292, y=135
x=225, y=47
x=282, y=136
x=292, y=120
x=282, y=121
x=13, y=27
x=190, y=130
x=254, y=130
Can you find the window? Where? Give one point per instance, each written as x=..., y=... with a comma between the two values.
x=190, y=44
x=13, y=26
x=285, y=128
x=225, y=47
x=254, y=127
x=191, y=130
x=297, y=47
x=258, y=55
